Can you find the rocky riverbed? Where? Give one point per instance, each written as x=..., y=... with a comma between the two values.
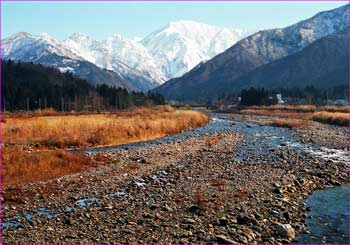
x=326, y=135
x=231, y=182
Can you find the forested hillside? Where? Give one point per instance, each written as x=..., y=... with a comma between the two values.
x=28, y=86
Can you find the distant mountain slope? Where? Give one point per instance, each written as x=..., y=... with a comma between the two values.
x=258, y=49
x=324, y=63
x=181, y=45
x=45, y=50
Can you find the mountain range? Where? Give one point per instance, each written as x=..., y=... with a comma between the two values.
x=117, y=60
x=187, y=60
x=235, y=68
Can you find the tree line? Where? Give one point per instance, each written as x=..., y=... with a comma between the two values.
x=306, y=95
x=28, y=86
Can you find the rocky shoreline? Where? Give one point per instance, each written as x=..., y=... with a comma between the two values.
x=188, y=191
x=336, y=137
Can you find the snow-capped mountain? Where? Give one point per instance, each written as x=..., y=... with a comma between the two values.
x=113, y=51
x=27, y=47
x=218, y=75
x=181, y=45
x=164, y=54
x=49, y=51
x=144, y=63
x=46, y=50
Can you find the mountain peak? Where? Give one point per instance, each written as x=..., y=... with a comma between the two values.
x=20, y=35
x=182, y=44
x=45, y=36
x=79, y=36
x=120, y=38
x=180, y=26
x=218, y=75
x=184, y=22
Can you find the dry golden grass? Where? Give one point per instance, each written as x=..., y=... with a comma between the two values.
x=335, y=108
x=64, y=131
x=295, y=108
x=336, y=115
x=33, y=144
x=19, y=166
x=335, y=118
x=278, y=113
x=289, y=123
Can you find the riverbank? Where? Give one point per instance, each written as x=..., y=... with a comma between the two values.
x=34, y=145
x=196, y=189
x=331, y=136
x=334, y=115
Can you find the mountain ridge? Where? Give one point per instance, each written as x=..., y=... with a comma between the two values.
x=130, y=58
x=323, y=63
x=251, y=52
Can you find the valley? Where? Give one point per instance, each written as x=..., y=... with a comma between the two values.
x=131, y=124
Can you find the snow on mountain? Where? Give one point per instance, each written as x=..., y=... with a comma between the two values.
x=46, y=50
x=276, y=43
x=181, y=45
x=218, y=75
x=164, y=54
x=145, y=63
x=113, y=51
x=21, y=45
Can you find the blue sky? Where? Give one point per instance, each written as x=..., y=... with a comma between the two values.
x=101, y=19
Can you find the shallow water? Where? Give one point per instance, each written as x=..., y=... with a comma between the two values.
x=328, y=220
x=258, y=140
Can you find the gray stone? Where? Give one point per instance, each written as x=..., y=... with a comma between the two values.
x=188, y=221
x=285, y=231
x=224, y=240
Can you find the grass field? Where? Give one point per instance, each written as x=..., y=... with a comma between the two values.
x=34, y=144
x=335, y=115
x=335, y=118
x=64, y=131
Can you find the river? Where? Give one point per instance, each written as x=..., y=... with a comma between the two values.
x=329, y=208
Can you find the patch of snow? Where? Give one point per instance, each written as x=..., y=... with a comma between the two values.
x=66, y=69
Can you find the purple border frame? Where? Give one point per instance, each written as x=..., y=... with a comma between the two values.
x=166, y=1
x=158, y=1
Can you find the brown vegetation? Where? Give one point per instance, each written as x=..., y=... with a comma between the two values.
x=335, y=118
x=336, y=115
x=200, y=199
x=289, y=123
x=34, y=143
x=278, y=113
x=98, y=129
x=19, y=166
x=335, y=108
x=294, y=108
x=213, y=140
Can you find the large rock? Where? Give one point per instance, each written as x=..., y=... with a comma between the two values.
x=225, y=240
x=285, y=231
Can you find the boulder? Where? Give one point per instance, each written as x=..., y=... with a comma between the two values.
x=285, y=231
